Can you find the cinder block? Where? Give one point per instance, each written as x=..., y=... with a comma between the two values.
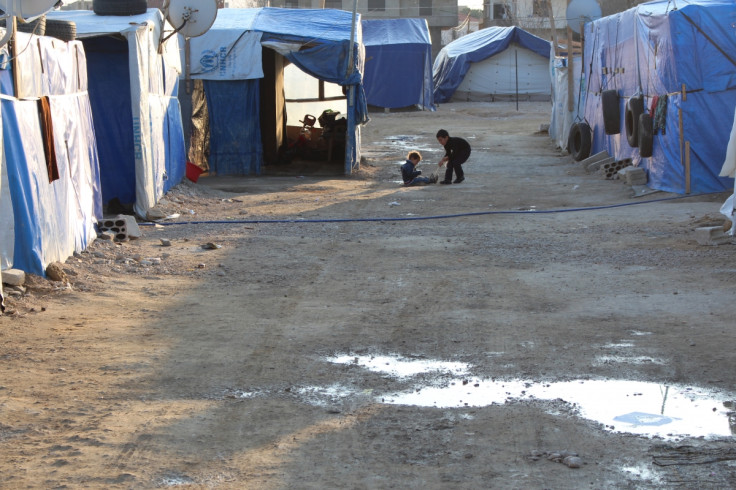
x=633, y=175
x=122, y=227
x=598, y=164
x=711, y=235
x=13, y=277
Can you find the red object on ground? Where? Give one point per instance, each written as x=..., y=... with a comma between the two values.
x=193, y=172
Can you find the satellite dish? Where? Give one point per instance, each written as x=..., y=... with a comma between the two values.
x=582, y=11
x=27, y=9
x=192, y=18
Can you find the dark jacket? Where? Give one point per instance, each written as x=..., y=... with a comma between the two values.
x=409, y=172
x=457, y=149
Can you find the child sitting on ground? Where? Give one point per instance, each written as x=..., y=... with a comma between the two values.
x=411, y=176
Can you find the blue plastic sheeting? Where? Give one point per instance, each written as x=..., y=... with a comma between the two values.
x=108, y=72
x=317, y=41
x=43, y=221
x=233, y=109
x=453, y=61
x=398, y=63
x=655, y=50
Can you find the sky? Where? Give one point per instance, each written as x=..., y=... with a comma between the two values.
x=473, y=4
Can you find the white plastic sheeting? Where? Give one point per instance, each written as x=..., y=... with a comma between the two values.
x=46, y=221
x=515, y=69
x=223, y=53
x=153, y=78
x=562, y=119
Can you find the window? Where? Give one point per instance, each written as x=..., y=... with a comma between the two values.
x=333, y=4
x=500, y=11
x=291, y=4
x=425, y=8
x=540, y=8
x=376, y=5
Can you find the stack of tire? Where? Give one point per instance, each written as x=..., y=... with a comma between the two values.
x=41, y=26
x=639, y=126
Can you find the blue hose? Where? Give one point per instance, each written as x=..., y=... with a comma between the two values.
x=416, y=218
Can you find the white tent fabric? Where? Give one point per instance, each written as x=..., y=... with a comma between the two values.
x=514, y=70
x=150, y=97
x=45, y=220
x=562, y=119
x=226, y=54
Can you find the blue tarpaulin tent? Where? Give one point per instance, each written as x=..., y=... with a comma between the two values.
x=228, y=58
x=684, y=55
x=133, y=89
x=50, y=196
x=455, y=59
x=398, y=63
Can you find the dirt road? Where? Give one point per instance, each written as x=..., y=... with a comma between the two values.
x=332, y=337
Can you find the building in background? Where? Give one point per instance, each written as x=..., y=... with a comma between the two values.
x=440, y=14
x=536, y=16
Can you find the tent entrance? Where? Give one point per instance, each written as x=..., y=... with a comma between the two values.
x=314, y=123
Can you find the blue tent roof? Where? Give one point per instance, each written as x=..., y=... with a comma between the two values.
x=657, y=50
x=317, y=41
x=378, y=32
x=324, y=36
x=398, y=63
x=453, y=61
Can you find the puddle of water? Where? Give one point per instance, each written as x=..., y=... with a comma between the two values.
x=635, y=407
x=401, y=367
x=638, y=407
x=175, y=481
x=643, y=473
x=626, y=360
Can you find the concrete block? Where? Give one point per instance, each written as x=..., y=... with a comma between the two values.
x=122, y=227
x=633, y=175
x=711, y=235
x=13, y=277
x=598, y=164
x=593, y=159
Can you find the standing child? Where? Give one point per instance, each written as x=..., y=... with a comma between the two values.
x=457, y=151
x=409, y=173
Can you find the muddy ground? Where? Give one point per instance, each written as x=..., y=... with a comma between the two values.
x=330, y=338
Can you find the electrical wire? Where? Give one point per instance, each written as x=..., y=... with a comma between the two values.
x=418, y=218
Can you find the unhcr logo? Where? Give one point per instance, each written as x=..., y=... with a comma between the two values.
x=212, y=61
x=209, y=61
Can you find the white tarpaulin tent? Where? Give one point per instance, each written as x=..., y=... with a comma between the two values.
x=133, y=91
x=50, y=187
x=495, y=62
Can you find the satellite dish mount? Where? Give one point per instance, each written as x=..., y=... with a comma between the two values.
x=190, y=18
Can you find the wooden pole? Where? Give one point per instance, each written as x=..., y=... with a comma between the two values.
x=687, y=167
x=14, y=53
x=552, y=26
x=570, y=75
x=682, y=137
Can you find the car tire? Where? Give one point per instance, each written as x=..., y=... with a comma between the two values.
x=65, y=30
x=119, y=7
x=580, y=141
x=646, y=137
x=634, y=108
x=611, y=112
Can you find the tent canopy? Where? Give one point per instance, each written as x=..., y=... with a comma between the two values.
x=454, y=60
x=133, y=91
x=683, y=56
x=49, y=173
x=318, y=41
x=398, y=66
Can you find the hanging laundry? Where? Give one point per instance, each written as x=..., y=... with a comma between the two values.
x=660, y=115
x=47, y=131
